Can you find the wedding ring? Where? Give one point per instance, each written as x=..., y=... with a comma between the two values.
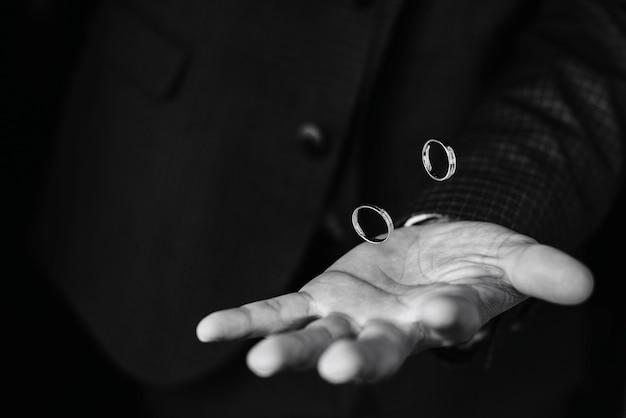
x=428, y=166
x=383, y=214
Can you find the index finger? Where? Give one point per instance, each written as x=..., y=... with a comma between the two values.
x=256, y=319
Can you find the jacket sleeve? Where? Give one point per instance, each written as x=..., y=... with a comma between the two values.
x=543, y=154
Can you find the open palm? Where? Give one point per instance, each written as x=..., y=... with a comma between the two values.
x=427, y=286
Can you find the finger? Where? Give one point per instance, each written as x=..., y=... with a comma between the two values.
x=298, y=349
x=450, y=319
x=258, y=318
x=546, y=273
x=379, y=351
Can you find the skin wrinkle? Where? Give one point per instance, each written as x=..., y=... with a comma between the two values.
x=511, y=290
x=355, y=326
x=422, y=337
x=497, y=277
x=248, y=315
x=415, y=253
x=402, y=302
x=497, y=248
x=488, y=271
x=275, y=306
x=386, y=288
x=320, y=313
x=420, y=268
x=312, y=307
x=490, y=307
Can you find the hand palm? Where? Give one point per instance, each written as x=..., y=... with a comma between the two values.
x=427, y=286
x=400, y=277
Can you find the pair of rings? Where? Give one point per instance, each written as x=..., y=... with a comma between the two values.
x=383, y=213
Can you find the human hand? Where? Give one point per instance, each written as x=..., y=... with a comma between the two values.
x=428, y=286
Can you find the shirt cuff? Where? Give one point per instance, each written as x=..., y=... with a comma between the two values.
x=422, y=218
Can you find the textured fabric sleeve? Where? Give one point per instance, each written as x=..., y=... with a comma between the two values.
x=544, y=152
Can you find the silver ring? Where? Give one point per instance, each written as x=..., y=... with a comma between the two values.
x=383, y=214
x=428, y=166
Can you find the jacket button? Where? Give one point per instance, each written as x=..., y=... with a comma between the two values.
x=312, y=139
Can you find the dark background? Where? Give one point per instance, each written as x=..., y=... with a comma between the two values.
x=54, y=367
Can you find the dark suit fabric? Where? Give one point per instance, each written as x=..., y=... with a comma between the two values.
x=179, y=185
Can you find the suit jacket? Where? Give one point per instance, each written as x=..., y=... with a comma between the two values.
x=204, y=142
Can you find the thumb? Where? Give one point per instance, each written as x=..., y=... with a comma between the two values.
x=548, y=274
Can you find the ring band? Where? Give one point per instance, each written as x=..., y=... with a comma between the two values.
x=383, y=214
x=428, y=166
